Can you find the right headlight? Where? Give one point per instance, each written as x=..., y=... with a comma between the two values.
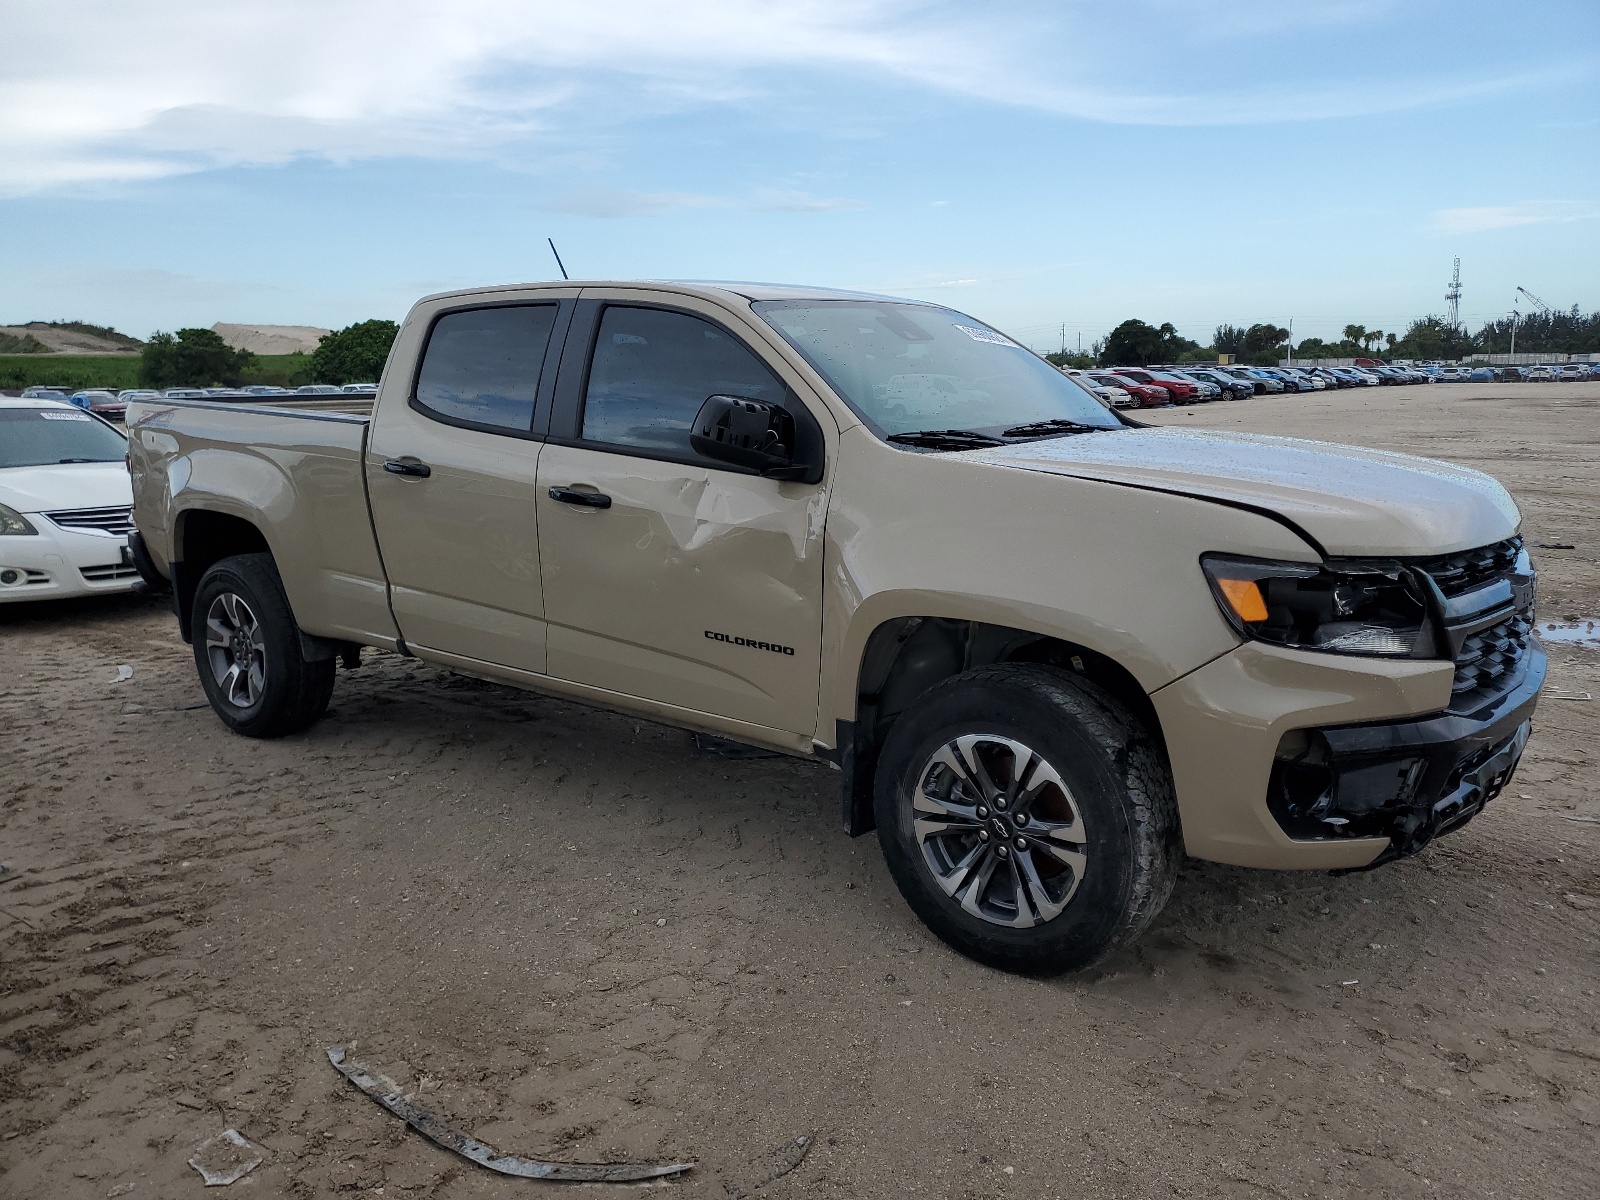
x=13, y=523
x=1349, y=607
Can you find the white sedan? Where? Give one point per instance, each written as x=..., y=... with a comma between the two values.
x=65, y=503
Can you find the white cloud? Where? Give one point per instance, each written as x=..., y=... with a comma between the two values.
x=793, y=200
x=1507, y=216
x=106, y=90
x=616, y=204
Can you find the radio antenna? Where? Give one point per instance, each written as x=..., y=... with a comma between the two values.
x=557, y=253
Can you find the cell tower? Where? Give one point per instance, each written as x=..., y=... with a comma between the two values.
x=1453, y=297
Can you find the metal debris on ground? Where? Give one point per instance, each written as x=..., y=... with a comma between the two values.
x=1555, y=545
x=720, y=747
x=226, y=1158
x=124, y=673
x=767, y=1166
x=485, y=1155
x=1563, y=694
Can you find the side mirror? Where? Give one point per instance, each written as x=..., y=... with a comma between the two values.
x=754, y=434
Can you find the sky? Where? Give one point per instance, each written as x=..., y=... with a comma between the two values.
x=1052, y=168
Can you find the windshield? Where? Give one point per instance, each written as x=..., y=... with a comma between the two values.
x=913, y=367
x=38, y=437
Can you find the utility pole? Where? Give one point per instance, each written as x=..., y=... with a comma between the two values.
x=1063, y=339
x=1453, y=296
x=1291, y=341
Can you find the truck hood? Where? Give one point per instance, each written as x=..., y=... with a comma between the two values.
x=67, y=485
x=1349, y=500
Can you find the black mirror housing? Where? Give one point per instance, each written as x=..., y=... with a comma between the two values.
x=755, y=434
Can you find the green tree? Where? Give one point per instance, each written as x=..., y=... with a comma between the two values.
x=1136, y=344
x=1432, y=337
x=193, y=358
x=1078, y=361
x=1229, y=339
x=1355, y=334
x=1572, y=332
x=1260, y=339
x=354, y=354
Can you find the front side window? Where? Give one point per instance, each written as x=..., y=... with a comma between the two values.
x=482, y=365
x=651, y=372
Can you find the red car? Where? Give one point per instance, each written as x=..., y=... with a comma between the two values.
x=1182, y=391
x=1148, y=395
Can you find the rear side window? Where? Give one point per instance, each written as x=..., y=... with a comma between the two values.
x=482, y=365
x=651, y=372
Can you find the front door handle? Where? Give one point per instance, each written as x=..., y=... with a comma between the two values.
x=588, y=499
x=416, y=470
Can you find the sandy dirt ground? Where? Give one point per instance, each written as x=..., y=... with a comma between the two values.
x=578, y=937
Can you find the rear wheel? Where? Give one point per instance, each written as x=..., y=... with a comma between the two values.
x=248, y=654
x=1027, y=818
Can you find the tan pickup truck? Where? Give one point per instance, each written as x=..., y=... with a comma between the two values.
x=1050, y=650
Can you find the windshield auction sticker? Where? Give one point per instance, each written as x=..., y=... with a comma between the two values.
x=986, y=335
x=50, y=416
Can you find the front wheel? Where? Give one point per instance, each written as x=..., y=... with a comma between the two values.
x=1027, y=818
x=247, y=651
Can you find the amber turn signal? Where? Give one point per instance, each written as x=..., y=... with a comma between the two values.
x=1244, y=597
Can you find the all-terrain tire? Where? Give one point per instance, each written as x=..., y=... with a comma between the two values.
x=1118, y=793
x=277, y=692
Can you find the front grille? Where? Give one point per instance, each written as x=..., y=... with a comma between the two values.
x=1489, y=660
x=1458, y=573
x=108, y=572
x=117, y=519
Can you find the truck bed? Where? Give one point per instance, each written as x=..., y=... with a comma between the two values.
x=289, y=467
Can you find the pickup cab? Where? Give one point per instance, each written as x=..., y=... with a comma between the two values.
x=1048, y=649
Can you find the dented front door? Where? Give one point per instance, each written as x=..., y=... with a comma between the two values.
x=666, y=579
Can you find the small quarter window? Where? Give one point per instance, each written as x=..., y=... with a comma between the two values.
x=652, y=370
x=482, y=366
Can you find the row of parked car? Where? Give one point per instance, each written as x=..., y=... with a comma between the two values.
x=1189, y=383
x=1153, y=387
x=113, y=406
x=1576, y=372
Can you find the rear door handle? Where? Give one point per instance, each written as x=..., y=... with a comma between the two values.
x=417, y=470
x=588, y=499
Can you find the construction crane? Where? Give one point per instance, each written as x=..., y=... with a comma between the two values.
x=1537, y=303
x=1453, y=296
x=1516, y=312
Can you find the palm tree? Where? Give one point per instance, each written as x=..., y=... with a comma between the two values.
x=1356, y=335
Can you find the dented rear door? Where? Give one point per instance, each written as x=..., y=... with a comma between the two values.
x=676, y=580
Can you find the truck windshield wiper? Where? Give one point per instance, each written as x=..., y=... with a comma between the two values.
x=78, y=460
x=1054, y=425
x=945, y=439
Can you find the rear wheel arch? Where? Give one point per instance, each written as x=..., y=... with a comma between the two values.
x=201, y=538
x=906, y=656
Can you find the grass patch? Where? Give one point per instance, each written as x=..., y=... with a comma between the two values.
x=72, y=371
x=78, y=371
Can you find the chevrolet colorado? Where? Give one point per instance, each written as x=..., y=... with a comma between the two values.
x=1049, y=649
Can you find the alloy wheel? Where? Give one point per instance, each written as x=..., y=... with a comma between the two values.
x=236, y=650
x=999, y=830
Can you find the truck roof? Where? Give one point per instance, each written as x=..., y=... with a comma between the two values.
x=720, y=289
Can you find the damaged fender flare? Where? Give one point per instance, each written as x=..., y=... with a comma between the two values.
x=485, y=1155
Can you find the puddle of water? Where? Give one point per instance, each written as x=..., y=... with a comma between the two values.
x=1583, y=633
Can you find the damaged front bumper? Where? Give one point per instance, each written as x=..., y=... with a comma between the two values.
x=1405, y=781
